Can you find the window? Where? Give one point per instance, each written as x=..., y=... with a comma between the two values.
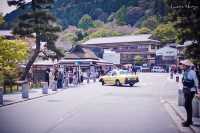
x=152, y=55
x=142, y=46
x=129, y=56
x=114, y=73
x=123, y=72
x=153, y=47
x=133, y=47
x=144, y=56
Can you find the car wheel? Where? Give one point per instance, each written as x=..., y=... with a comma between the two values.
x=131, y=84
x=117, y=83
x=102, y=82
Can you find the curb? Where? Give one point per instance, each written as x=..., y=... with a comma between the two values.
x=180, y=115
x=28, y=99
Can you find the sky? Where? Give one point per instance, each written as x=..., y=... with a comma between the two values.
x=4, y=8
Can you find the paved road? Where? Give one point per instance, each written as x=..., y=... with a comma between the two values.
x=95, y=109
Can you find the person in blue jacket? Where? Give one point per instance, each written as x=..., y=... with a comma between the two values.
x=190, y=87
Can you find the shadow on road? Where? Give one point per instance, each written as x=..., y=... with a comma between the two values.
x=128, y=86
x=54, y=100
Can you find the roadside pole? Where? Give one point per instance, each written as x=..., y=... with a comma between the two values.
x=44, y=87
x=1, y=96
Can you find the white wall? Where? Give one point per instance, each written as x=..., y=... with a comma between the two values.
x=167, y=51
x=111, y=56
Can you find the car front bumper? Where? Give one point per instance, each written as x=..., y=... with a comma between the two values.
x=131, y=81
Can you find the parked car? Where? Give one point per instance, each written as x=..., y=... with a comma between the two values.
x=157, y=69
x=145, y=69
x=138, y=68
x=119, y=77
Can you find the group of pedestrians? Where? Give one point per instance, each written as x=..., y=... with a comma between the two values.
x=60, y=77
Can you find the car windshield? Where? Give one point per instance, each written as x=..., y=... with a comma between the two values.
x=109, y=73
x=123, y=72
x=117, y=72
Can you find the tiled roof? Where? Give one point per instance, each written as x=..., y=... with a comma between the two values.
x=80, y=53
x=6, y=33
x=121, y=39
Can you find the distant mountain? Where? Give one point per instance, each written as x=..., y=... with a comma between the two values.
x=69, y=12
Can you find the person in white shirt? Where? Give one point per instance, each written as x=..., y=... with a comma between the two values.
x=190, y=86
x=51, y=78
x=66, y=82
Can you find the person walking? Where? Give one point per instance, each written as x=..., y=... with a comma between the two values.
x=190, y=86
x=60, y=79
x=81, y=77
x=70, y=77
x=55, y=74
x=66, y=78
x=88, y=76
x=47, y=71
x=51, y=78
x=134, y=69
x=75, y=78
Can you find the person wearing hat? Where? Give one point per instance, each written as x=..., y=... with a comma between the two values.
x=190, y=86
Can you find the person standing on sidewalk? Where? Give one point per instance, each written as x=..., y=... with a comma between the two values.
x=190, y=86
x=51, y=78
x=60, y=78
x=47, y=71
x=55, y=79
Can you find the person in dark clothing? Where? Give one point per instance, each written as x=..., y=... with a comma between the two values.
x=190, y=86
x=60, y=79
x=198, y=74
x=134, y=69
x=47, y=71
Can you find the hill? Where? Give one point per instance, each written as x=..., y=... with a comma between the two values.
x=69, y=12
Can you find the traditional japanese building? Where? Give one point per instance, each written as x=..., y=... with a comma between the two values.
x=7, y=34
x=128, y=46
x=82, y=57
x=166, y=56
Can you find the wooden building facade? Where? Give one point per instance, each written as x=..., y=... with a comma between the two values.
x=129, y=47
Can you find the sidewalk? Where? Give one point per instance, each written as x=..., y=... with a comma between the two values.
x=16, y=97
x=180, y=110
x=13, y=98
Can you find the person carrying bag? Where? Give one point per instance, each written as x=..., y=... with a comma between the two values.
x=190, y=86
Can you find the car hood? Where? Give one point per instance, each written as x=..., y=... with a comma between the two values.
x=127, y=76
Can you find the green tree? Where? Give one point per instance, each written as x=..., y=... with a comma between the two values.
x=133, y=15
x=74, y=36
x=166, y=33
x=143, y=30
x=12, y=52
x=85, y=22
x=193, y=52
x=185, y=14
x=1, y=19
x=102, y=32
x=98, y=23
x=111, y=17
x=151, y=22
x=160, y=8
x=38, y=21
x=138, y=60
x=120, y=16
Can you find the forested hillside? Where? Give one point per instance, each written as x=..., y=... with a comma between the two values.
x=124, y=12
